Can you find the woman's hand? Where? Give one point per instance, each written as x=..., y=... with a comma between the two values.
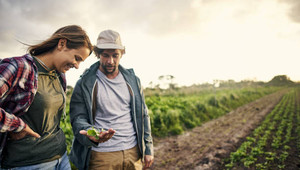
x=26, y=131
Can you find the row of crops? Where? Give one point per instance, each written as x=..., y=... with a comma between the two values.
x=172, y=115
x=270, y=144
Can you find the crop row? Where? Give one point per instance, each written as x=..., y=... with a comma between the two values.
x=171, y=115
x=269, y=145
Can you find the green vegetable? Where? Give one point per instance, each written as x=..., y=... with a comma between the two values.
x=93, y=132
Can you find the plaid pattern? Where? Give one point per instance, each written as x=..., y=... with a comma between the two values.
x=18, y=85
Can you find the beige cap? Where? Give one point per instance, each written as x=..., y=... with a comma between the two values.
x=109, y=39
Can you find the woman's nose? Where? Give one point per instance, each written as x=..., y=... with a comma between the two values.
x=76, y=64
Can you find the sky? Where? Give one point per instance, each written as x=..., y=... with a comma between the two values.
x=196, y=41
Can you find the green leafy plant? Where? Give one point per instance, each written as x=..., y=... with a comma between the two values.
x=94, y=132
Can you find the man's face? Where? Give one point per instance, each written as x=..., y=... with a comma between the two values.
x=109, y=61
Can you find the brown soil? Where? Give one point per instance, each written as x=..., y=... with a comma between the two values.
x=204, y=147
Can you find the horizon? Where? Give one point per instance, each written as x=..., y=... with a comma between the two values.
x=216, y=82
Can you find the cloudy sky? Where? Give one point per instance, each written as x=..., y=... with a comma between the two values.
x=196, y=41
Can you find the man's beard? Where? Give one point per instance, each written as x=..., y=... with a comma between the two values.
x=106, y=70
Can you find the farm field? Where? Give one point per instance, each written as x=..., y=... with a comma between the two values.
x=274, y=144
x=173, y=114
x=205, y=130
x=207, y=146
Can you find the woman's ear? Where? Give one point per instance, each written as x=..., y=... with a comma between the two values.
x=61, y=43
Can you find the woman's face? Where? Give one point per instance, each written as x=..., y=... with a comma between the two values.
x=69, y=58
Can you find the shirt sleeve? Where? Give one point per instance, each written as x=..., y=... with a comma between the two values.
x=147, y=125
x=8, y=74
x=10, y=122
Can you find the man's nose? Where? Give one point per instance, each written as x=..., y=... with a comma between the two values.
x=110, y=60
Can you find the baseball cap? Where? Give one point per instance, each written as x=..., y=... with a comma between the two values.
x=109, y=39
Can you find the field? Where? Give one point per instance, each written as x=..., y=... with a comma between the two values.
x=205, y=147
x=224, y=128
x=172, y=115
x=274, y=144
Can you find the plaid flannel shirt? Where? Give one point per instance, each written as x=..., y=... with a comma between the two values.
x=18, y=85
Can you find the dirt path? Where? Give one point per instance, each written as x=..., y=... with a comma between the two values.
x=203, y=147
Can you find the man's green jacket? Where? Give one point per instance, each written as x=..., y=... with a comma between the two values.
x=82, y=111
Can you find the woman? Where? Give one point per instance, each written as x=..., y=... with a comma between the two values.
x=32, y=100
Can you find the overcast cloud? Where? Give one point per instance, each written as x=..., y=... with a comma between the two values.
x=214, y=39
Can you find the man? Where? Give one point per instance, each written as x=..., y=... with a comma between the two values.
x=109, y=96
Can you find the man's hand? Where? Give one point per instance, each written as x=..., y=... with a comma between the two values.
x=148, y=161
x=102, y=137
x=26, y=131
